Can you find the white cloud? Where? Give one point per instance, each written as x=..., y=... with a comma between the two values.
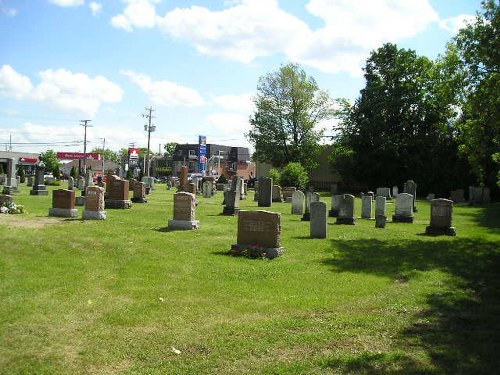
x=235, y=103
x=95, y=7
x=9, y=12
x=138, y=13
x=67, y=3
x=454, y=24
x=61, y=89
x=165, y=93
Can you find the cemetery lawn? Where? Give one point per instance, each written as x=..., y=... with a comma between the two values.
x=126, y=296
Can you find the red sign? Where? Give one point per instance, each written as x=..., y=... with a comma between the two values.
x=134, y=152
x=78, y=155
x=28, y=160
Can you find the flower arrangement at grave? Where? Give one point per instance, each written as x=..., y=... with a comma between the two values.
x=12, y=208
x=254, y=251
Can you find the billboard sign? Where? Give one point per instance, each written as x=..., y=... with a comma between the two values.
x=78, y=155
x=202, y=153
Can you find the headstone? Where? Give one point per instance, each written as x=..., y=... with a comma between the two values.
x=232, y=197
x=63, y=203
x=8, y=190
x=117, y=193
x=149, y=183
x=139, y=189
x=11, y=174
x=380, y=206
x=259, y=235
x=384, y=192
x=366, y=206
x=395, y=191
x=80, y=183
x=89, y=179
x=287, y=193
x=335, y=204
x=410, y=187
x=243, y=194
x=404, y=209
x=458, y=196
x=441, y=218
x=298, y=202
x=71, y=183
x=318, y=226
x=380, y=220
x=276, y=194
x=6, y=199
x=94, y=204
x=431, y=196
x=39, y=187
x=479, y=195
x=184, y=178
x=256, y=189
x=208, y=189
x=29, y=181
x=265, y=191
x=191, y=188
x=346, y=211
x=184, y=212
x=334, y=189
x=310, y=197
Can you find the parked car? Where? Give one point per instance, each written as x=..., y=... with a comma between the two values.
x=193, y=175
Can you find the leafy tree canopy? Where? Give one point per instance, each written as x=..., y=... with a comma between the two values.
x=51, y=162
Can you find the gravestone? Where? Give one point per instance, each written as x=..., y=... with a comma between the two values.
x=410, y=187
x=11, y=174
x=346, y=212
x=380, y=206
x=63, y=203
x=380, y=220
x=117, y=193
x=6, y=199
x=335, y=204
x=208, y=189
x=256, y=190
x=80, y=183
x=479, y=195
x=366, y=206
x=232, y=197
x=276, y=194
x=39, y=187
x=94, y=204
x=243, y=193
x=29, y=181
x=318, y=225
x=8, y=190
x=404, y=209
x=71, y=183
x=395, y=191
x=384, y=192
x=458, y=196
x=334, y=189
x=139, y=189
x=183, y=178
x=89, y=179
x=265, y=192
x=441, y=218
x=298, y=202
x=191, y=188
x=287, y=193
x=184, y=212
x=149, y=183
x=259, y=234
x=430, y=196
x=310, y=197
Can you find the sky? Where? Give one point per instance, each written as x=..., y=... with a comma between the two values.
x=195, y=63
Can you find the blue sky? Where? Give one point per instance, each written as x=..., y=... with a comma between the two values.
x=197, y=63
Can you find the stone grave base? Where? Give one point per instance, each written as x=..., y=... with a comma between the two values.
x=403, y=219
x=279, y=200
x=256, y=251
x=94, y=215
x=306, y=217
x=117, y=203
x=183, y=224
x=9, y=190
x=380, y=221
x=63, y=212
x=333, y=213
x=345, y=221
x=288, y=199
x=230, y=211
x=139, y=200
x=431, y=231
x=80, y=201
x=39, y=192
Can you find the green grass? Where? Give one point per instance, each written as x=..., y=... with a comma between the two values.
x=122, y=295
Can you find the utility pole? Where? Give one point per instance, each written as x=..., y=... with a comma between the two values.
x=85, y=125
x=149, y=128
x=102, y=156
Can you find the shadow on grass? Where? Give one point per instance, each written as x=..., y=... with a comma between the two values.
x=460, y=327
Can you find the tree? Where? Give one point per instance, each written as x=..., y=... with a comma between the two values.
x=398, y=128
x=74, y=172
x=51, y=162
x=169, y=149
x=108, y=154
x=294, y=174
x=22, y=174
x=289, y=105
x=478, y=47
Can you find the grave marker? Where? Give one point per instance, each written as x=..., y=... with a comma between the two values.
x=63, y=203
x=318, y=225
x=184, y=212
x=441, y=218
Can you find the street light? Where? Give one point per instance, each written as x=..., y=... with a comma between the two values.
x=149, y=128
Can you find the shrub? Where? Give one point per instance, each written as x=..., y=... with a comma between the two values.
x=222, y=179
x=275, y=175
x=294, y=174
x=21, y=174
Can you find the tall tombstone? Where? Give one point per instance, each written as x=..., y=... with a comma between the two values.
x=404, y=209
x=39, y=187
x=232, y=197
x=310, y=197
x=259, y=235
x=80, y=183
x=395, y=191
x=384, y=192
x=117, y=193
x=441, y=218
x=410, y=187
x=318, y=225
x=30, y=181
x=89, y=179
x=288, y=193
x=298, y=202
x=479, y=194
x=243, y=190
x=458, y=196
x=346, y=212
x=276, y=194
x=184, y=212
x=63, y=203
x=265, y=191
x=149, y=183
x=139, y=189
x=335, y=204
x=208, y=189
x=71, y=183
x=184, y=178
x=11, y=174
x=380, y=206
x=94, y=204
x=366, y=206
x=256, y=189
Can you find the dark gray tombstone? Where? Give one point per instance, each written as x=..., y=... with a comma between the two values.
x=71, y=183
x=458, y=196
x=232, y=197
x=404, y=209
x=265, y=192
x=346, y=212
x=366, y=206
x=380, y=221
x=298, y=202
x=335, y=204
x=310, y=197
x=410, y=187
x=39, y=187
x=277, y=194
x=441, y=218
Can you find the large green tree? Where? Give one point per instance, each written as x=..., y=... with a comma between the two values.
x=398, y=128
x=108, y=154
x=289, y=106
x=169, y=149
x=478, y=46
x=51, y=162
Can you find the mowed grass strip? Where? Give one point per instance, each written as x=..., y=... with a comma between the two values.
x=127, y=296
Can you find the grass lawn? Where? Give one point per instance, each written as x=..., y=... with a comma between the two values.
x=124, y=296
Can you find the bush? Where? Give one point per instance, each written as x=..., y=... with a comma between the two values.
x=21, y=174
x=222, y=179
x=275, y=175
x=294, y=174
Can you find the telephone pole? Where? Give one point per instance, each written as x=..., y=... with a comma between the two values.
x=149, y=128
x=85, y=125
